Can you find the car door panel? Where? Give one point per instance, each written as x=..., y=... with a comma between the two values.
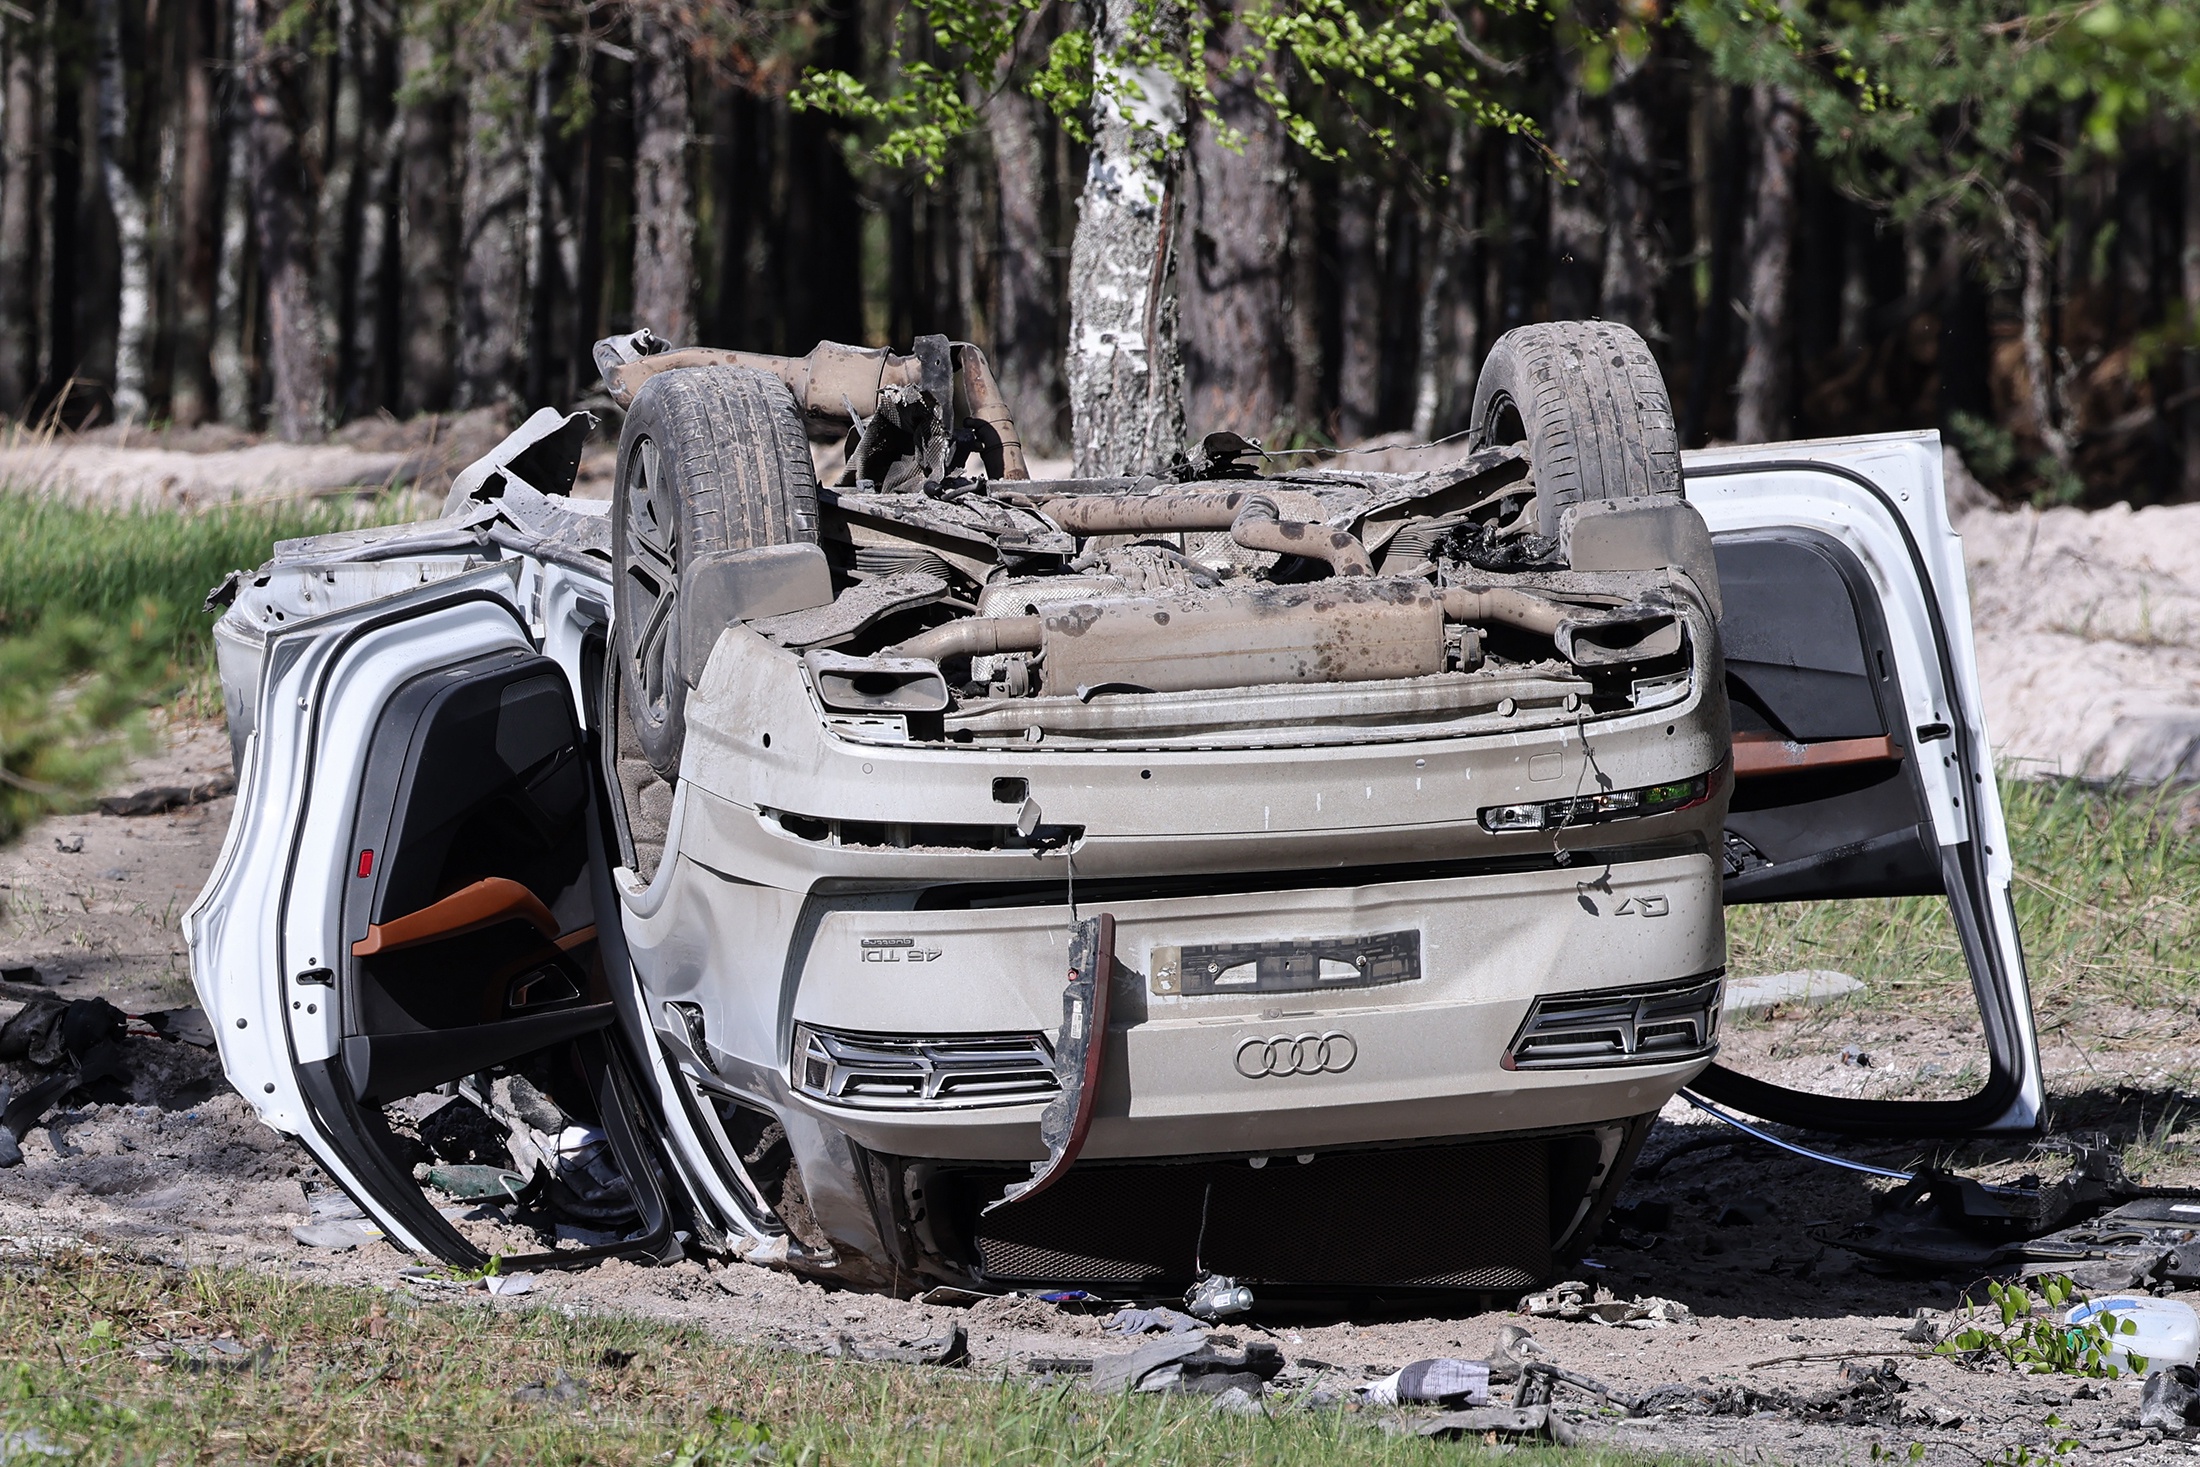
x=406, y=753
x=1862, y=762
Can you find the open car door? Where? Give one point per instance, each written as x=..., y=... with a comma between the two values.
x=407, y=907
x=1862, y=769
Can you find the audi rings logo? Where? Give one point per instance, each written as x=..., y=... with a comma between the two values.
x=1303, y=1054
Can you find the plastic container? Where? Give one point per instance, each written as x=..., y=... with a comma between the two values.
x=2169, y=1332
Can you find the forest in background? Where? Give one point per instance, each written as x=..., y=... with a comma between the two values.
x=431, y=205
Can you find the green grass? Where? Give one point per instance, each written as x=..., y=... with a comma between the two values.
x=58, y=558
x=102, y=613
x=2107, y=897
x=357, y=1375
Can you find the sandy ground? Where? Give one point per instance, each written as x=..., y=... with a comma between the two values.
x=175, y=1167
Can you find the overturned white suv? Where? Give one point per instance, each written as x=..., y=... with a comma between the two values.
x=946, y=877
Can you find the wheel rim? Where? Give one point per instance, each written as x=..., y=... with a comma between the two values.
x=650, y=588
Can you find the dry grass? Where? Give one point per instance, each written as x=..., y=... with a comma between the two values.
x=359, y=1375
x=2107, y=896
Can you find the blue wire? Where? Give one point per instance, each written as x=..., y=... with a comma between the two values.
x=1749, y=1130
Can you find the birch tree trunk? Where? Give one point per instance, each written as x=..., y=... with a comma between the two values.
x=1763, y=394
x=190, y=391
x=226, y=354
x=1633, y=261
x=1236, y=225
x=135, y=296
x=664, y=205
x=2039, y=371
x=282, y=195
x=430, y=245
x=1126, y=381
x=492, y=281
x=1025, y=354
x=19, y=188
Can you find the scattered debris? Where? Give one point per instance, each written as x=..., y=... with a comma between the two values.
x=950, y=1349
x=2170, y=1400
x=1502, y=1420
x=69, y=845
x=1237, y=1401
x=1576, y=1300
x=159, y=799
x=1447, y=1381
x=509, y=1283
x=184, y=1026
x=615, y=1359
x=222, y=1356
x=1158, y=1320
x=1808, y=988
x=559, y=1390
x=1188, y=1363
x=1215, y=1296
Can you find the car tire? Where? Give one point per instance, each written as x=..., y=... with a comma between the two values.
x=711, y=459
x=1588, y=400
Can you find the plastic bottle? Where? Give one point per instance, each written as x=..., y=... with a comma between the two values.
x=2169, y=1332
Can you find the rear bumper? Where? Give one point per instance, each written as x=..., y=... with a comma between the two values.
x=1426, y=1056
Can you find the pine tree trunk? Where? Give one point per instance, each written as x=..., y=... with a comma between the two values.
x=1634, y=263
x=2189, y=273
x=492, y=279
x=1304, y=304
x=664, y=206
x=1763, y=397
x=1359, y=308
x=128, y=207
x=282, y=194
x=1450, y=314
x=1026, y=356
x=191, y=387
x=1237, y=221
x=430, y=247
x=335, y=266
x=1578, y=135
x=19, y=189
x=1126, y=382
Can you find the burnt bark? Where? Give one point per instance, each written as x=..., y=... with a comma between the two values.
x=1634, y=259
x=282, y=198
x=19, y=189
x=492, y=280
x=191, y=385
x=1577, y=225
x=127, y=206
x=1126, y=380
x=1764, y=396
x=1359, y=307
x=1237, y=221
x=664, y=204
x=1025, y=354
x=431, y=227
